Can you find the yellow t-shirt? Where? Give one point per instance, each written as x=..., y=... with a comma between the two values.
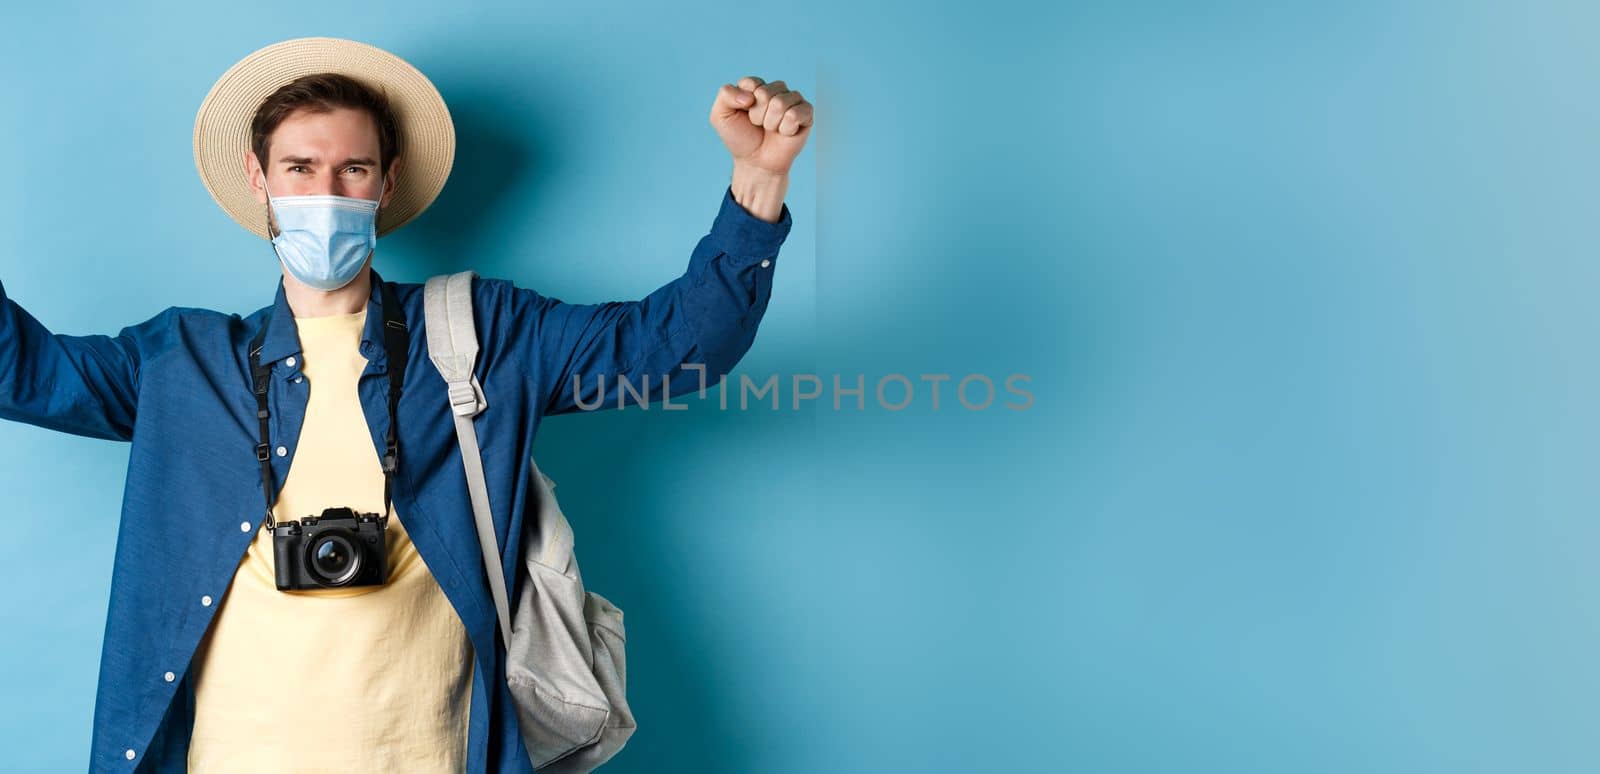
x=385, y=672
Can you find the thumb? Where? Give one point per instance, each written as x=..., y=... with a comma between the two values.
x=731, y=101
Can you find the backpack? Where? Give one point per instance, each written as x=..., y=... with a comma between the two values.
x=565, y=664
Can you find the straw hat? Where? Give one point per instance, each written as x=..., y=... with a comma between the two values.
x=222, y=126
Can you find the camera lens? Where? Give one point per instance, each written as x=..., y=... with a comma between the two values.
x=333, y=558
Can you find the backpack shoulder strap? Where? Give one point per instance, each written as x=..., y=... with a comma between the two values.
x=453, y=348
x=452, y=339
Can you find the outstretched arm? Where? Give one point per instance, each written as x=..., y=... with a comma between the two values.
x=691, y=331
x=83, y=385
x=695, y=327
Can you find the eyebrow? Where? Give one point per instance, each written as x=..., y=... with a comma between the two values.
x=308, y=160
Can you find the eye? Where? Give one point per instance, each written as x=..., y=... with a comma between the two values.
x=362, y=170
x=295, y=167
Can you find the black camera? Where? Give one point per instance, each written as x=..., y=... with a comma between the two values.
x=338, y=549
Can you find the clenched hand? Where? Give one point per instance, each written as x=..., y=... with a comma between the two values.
x=763, y=124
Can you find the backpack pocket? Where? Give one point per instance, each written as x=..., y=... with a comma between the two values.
x=561, y=705
x=566, y=665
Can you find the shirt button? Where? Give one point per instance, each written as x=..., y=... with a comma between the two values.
x=282, y=451
x=244, y=526
x=289, y=361
x=299, y=379
x=169, y=677
x=128, y=754
x=206, y=600
x=765, y=263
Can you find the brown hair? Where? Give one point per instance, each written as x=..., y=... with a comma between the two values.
x=321, y=93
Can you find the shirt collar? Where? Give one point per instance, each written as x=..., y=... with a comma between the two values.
x=283, y=335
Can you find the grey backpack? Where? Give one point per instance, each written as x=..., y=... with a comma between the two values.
x=564, y=645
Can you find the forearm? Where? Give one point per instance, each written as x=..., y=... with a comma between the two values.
x=759, y=191
x=83, y=385
x=706, y=317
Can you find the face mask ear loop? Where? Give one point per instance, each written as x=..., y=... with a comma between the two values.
x=271, y=240
x=269, y=209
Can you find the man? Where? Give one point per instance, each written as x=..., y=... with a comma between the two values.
x=215, y=659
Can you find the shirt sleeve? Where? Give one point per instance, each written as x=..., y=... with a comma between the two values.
x=83, y=385
x=684, y=335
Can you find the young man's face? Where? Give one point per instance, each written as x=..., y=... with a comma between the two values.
x=333, y=153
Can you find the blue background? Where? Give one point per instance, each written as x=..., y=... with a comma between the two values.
x=1304, y=291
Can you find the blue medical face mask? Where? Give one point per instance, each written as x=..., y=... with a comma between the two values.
x=324, y=240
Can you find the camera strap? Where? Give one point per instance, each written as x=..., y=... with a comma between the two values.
x=396, y=343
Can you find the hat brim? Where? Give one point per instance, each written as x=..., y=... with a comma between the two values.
x=222, y=125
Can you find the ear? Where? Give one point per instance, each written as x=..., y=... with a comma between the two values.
x=390, y=182
x=256, y=176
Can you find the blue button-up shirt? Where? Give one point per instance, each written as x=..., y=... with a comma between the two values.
x=178, y=387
